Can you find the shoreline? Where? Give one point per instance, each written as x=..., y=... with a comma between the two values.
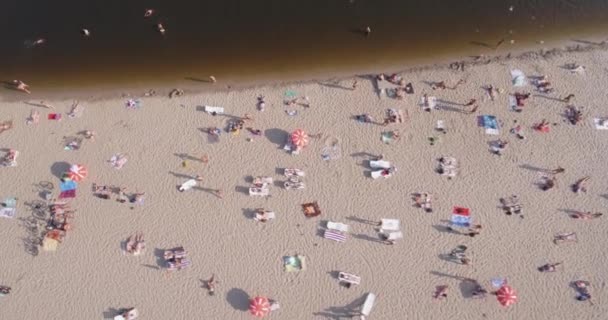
x=193, y=86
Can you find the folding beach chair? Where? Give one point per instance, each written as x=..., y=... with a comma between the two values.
x=349, y=278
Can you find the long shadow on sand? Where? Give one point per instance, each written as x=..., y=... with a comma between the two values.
x=276, y=136
x=59, y=168
x=238, y=299
x=349, y=311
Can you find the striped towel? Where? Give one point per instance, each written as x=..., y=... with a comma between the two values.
x=334, y=235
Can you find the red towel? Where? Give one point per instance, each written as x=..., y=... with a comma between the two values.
x=54, y=116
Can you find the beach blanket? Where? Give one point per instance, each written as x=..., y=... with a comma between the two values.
x=461, y=217
x=518, y=78
x=490, y=124
x=68, y=185
x=294, y=263
x=600, y=124
x=8, y=213
x=334, y=235
x=67, y=194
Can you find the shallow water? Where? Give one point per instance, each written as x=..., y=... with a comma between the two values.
x=269, y=38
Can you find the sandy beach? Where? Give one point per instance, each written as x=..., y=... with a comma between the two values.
x=90, y=277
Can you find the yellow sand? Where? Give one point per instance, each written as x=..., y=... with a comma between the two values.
x=88, y=277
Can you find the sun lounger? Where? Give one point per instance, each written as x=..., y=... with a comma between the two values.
x=379, y=164
x=187, y=185
x=349, y=278
x=338, y=226
x=334, y=235
x=213, y=110
x=260, y=192
x=389, y=225
x=368, y=305
x=292, y=172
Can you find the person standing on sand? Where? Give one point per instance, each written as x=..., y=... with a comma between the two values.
x=355, y=83
x=558, y=170
x=567, y=98
x=211, y=285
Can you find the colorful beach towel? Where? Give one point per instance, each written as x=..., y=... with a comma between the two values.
x=490, y=124
x=294, y=263
x=461, y=217
x=67, y=194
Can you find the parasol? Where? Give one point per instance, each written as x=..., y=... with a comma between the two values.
x=259, y=306
x=299, y=138
x=506, y=296
x=78, y=172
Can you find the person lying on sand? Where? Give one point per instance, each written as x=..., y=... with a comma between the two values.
x=6, y=125
x=565, y=237
x=90, y=135
x=4, y=290
x=558, y=170
x=34, y=117
x=548, y=183
x=549, y=267
x=574, y=115
x=586, y=215
x=474, y=230
x=438, y=85
x=21, y=86
x=441, y=292
x=423, y=200
x=520, y=98
x=580, y=185
x=543, y=126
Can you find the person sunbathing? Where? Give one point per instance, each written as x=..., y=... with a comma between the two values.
x=21, y=86
x=586, y=215
x=549, y=267
x=564, y=237
x=548, y=183
x=574, y=115
x=6, y=125
x=34, y=117
x=214, y=131
x=520, y=98
x=474, y=230
x=543, y=126
x=438, y=85
x=441, y=292
x=580, y=185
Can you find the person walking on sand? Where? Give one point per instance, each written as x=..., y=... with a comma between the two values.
x=567, y=98
x=211, y=285
x=354, y=86
x=558, y=170
x=470, y=103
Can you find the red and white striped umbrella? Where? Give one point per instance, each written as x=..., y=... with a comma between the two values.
x=78, y=172
x=259, y=306
x=506, y=295
x=299, y=138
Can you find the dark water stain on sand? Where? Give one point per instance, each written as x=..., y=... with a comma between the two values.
x=266, y=38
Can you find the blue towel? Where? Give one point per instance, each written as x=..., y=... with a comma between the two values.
x=67, y=185
x=490, y=122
